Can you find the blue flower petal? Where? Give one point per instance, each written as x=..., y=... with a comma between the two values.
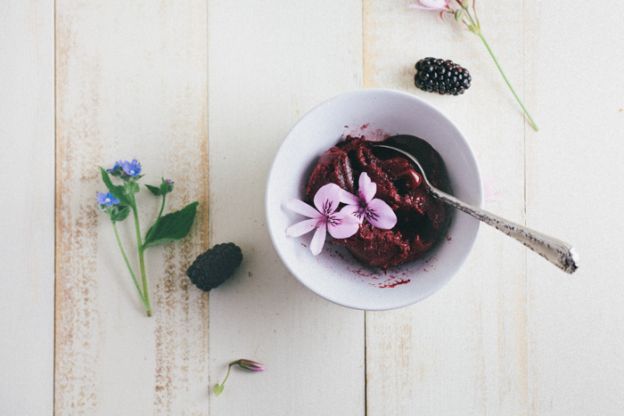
x=116, y=167
x=131, y=168
x=106, y=199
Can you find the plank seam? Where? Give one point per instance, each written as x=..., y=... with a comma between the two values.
x=525, y=164
x=55, y=214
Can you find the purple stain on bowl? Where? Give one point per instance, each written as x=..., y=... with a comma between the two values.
x=367, y=132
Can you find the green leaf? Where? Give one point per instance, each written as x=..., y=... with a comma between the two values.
x=171, y=227
x=119, y=213
x=217, y=389
x=155, y=190
x=117, y=190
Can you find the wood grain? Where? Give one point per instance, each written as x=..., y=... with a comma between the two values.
x=464, y=350
x=574, y=171
x=27, y=176
x=268, y=65
x=204, y=92
x=131, y=82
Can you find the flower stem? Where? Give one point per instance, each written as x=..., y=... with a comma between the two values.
x=525, y=111
x=227, y=375
x=125, y=257
x=137, y=228
x=162, y=206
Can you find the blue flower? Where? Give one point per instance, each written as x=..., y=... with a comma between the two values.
x=116, y=167
x=132, y=168
x=107, y=199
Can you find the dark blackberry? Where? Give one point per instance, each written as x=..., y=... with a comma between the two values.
x=215, y=266
x=443, y=77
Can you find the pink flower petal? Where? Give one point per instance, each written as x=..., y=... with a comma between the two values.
x=318, y=240
x=348, y=198
x=431, y=5
x=347, y=225
x=367, y=188
x=380, y=215
x=327, y=198
x=302, y=208
x=355, y=211
x=302, y=227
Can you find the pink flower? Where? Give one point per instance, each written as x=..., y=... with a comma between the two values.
x=431, y=5
x=323, y=218
x=249, y=365
x=366, y=206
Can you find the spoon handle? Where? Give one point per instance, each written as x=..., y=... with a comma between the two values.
x=557, y=252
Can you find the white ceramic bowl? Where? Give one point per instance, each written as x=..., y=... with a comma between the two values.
x=334, y=274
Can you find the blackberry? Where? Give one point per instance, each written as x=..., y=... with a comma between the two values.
x=441, y=76
x=215, y=266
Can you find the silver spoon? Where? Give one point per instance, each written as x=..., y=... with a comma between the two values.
x=557, y=252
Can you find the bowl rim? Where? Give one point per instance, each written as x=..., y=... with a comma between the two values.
x=329, y=101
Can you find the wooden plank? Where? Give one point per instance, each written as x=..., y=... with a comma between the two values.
x=574, y=171
x=464, y=350
x=131, y=82
x=268, y=65
x=27, y=176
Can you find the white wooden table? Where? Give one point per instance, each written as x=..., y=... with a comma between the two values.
x=204, y=92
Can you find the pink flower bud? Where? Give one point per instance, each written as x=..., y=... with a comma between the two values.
x=249, y=365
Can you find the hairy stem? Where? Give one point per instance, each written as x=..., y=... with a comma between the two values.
x=525, y=111
x=140, y=249
x=125, y=258
x=162, y=206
